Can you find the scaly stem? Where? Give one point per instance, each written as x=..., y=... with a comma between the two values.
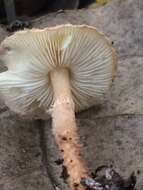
x=65, y=129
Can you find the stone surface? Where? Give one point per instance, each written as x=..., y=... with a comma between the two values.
x=20, y=155
x=114, y=141
x=111, y=132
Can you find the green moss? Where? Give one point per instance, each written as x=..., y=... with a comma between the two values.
x=99, y=3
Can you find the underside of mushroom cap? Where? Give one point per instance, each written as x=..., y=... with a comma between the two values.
x=30, y=56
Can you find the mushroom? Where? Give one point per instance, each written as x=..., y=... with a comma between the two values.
x=59, y=70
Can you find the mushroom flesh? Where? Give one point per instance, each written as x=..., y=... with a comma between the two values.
x=58, y=71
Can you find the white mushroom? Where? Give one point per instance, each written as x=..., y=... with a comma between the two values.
x=65, y=69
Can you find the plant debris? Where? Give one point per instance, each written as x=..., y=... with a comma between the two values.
x=18, y=25
x=106, y=178
x=64, y=174
x=59, y=161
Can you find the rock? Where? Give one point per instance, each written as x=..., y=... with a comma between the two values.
x=3, y=33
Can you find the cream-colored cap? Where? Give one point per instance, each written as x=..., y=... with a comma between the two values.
x=31, y=54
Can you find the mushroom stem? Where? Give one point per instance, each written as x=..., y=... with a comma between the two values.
x=65, y=129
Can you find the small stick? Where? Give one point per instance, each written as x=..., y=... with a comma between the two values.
x=10, y=10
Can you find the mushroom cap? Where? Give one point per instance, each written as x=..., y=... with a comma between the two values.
x=30, y=55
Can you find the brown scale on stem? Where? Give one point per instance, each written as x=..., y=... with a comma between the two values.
x=65, y=129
